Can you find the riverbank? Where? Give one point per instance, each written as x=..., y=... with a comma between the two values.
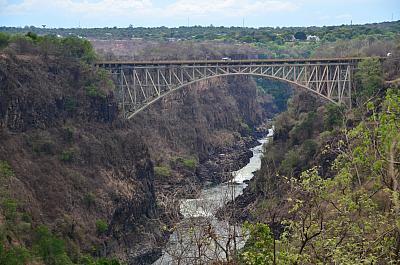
x=199, y=217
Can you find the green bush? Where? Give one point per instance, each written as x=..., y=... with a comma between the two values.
x=304, y=130
x=4, y=40
x=14, y=256
x=70, y=104
x=68, y=155
x=162, y=171
x=309, y=148
x=87, y=260
x=101, y=226
x=89, y=199
x=79, y=48
x=333, y=116
x=26, y=218
x=189, y=164
x=92, y=91
x=370, y=76
x=68, y=134
x=32, y=36
x=5, y=170
x=325, y=135
x=245, y=127
x=50, y=248
x=9, y=207
x=259, y=247
x=290, y=162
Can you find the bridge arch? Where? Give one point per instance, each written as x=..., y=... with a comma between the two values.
x=188, y=84
x=141, y=84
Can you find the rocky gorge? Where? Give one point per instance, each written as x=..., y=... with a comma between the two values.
x=98, y=181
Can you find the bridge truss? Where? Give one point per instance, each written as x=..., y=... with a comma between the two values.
x=140, y=84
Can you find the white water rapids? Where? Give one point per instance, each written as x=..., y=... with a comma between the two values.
x=200, y=236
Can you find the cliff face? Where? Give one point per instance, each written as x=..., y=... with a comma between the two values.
x=76, y=163
x=208, y=122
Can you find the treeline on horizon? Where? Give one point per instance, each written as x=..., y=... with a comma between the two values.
x=278, y=35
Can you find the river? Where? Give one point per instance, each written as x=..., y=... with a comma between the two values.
x=200, y=237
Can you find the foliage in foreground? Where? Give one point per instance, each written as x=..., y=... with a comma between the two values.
x=352, y=218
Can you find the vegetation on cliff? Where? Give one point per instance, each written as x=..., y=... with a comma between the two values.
x=328, y=191
x=75, y=183
x=83, y=177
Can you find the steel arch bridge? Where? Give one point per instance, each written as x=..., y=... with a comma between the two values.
x=140, y=84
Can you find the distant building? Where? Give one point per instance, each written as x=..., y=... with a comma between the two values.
x=312, y=38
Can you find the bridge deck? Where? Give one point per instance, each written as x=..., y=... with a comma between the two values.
x=230, y=62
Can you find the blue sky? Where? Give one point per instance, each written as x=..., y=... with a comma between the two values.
x=171, y=13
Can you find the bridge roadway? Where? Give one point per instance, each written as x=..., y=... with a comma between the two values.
x=142, y=83
x=114, y=64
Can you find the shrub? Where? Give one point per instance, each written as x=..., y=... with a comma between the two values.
x=4, y=40
x=87, y=260
x=32, y=36
x=333, y=116
x=162, y=171
x=68, y=155
x=290, y=162
x=102, y=74
x=50, y=248
x=92, y=91
x=309, y=148
x=89, y=199
x=68, y=134
x=300, y=35
x=70, y=104
x=245, y=127
x=370, y=76
x=101, y=226
x=187, y=163
x=259, y=248
x=26, y=218
x=304, y=130
x=9, y=207
x=5, y=170
x=79, y=48
x=14, y=256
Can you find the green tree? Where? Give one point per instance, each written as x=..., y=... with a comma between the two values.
x=101, y=226
x=4, y=40
x=300, y=35
x=333, y=116
x=14, y=256
x=50, y=248
x=370, y=77
x=79, y=48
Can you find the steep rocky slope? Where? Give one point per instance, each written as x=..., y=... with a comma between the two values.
x=74, y=162
x=88, y=175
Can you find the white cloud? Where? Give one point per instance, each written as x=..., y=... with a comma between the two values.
x=228, y=7
x=145, y=8
x=102, y=7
